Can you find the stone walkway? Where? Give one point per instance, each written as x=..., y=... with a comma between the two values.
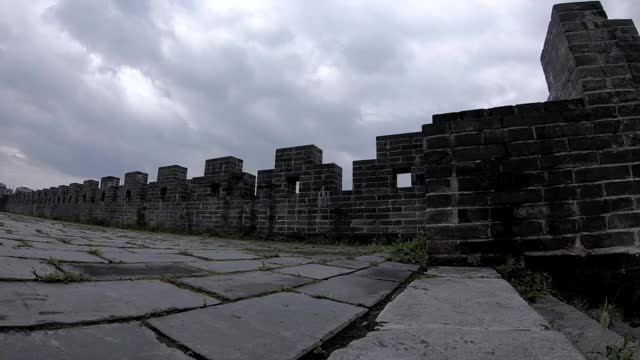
x=70, y=291
x=460, y=314
x=160, y=296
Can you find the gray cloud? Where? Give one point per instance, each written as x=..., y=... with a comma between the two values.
x=95, y=88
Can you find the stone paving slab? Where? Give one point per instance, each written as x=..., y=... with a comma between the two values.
x=477, y=303
x=12, y=268
x=32, y=253
x=350, y=264
x=100, y=342
x=281, y=326
x=33, y=303
x=242, y=285
x=133, y=270
x=224, y=254
x=458, y=318
x=385, y=272
x=229, y=265
x=351, y=289
x=288, y=261
x=314, y=271
x=459, y=344
x=131, y=257
x=464, y=272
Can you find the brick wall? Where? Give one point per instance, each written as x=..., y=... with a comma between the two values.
x=562, y=175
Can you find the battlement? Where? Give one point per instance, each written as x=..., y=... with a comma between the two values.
x=561, y=175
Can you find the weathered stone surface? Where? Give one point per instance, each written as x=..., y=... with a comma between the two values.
x=100, y=342
x=314, y=271
x=229, y=266
x=351, y=289
x=463, y=272
x=288, y=261
x=350, y=264
x=224, y=254
x=384, y=272
x=241, y=285
x=132, y=271
x=130, y=257
x=476, y=303
x=32, y=253
x=276, y=327
x=12, y=268
x=459, y=344
x=584, y=332
x=29, y=303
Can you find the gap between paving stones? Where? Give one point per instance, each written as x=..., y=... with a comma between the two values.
x=360, y=327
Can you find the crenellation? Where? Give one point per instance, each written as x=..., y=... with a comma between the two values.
x=545, y=176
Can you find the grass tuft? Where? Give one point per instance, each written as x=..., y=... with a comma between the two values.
x=185, y=253
x=66, y=278
x=414, y=251
x=625, y=352
x=528, y=284
x=95, y=252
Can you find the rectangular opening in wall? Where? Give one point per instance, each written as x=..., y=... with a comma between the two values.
x=128, y=195
x=214, y=189
x=293, y=184
x=163, y=193
x=403, y=179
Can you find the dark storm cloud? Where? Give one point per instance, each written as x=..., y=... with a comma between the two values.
x=94, y=88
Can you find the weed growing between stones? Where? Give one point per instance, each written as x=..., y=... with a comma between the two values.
x=53, y=262
x=24, y=244
x=185, y=253
x=61, y=278
x=414, y=251
x=264, y=267
x=95, y=252
x=625, y=352
x=608, y=312
x=528, y=284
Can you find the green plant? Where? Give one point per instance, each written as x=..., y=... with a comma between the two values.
x=624, y=352
x=95, y=252
x=62, y=278
x=414, y=251
x=264, y=267
x=24, y=243
x=54, y=262
x=185, y=252
x=528, y=284
x=608, y=312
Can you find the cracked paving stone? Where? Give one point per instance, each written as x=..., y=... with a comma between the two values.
x=288, y=261
x=242, y=285
x=228, y=266
x=99, y=342
x=314, y=271
x=33, y=253
x=351, y=289
x=350, y=264
x=33, y=303
x=12, y=268
x=131, y=257
x=281, y=326
x=224, y=254
x=386, y=272
x=132, y=270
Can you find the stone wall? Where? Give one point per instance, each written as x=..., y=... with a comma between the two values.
x=558, y=176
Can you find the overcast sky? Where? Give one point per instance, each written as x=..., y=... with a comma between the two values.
x=97, y=88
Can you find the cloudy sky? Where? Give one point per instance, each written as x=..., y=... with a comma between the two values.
x=103, y=87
